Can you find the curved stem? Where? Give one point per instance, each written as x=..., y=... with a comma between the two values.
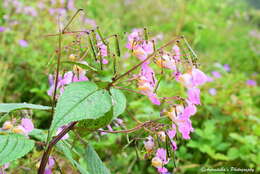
x=54, y=141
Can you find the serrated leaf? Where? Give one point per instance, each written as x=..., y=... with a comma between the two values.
x=93, y=125
x=119, y=105
x=13, y=146
x=80, y=100
x=94, y=163
x=8, y=107
x=118, y=101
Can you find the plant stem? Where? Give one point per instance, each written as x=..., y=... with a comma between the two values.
x=54, y=141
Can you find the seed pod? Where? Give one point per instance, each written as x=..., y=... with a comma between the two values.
x=92, y=47
x=117, y=46
x=146, y=35
x=101, y=37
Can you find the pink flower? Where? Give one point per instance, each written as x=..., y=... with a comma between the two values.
x=68, y=78
x=103, y=49
x=185, y=127
x=194, y=95
x=212, y=91
x=198, y=77
x=216, y=74
x=177, y=52
x=2, y=29
x=162, y=170
x=23, y=43
x=66, y=136
x=161, y=153
x=146, y=83
x=27, y=124
x=226, y=67
x=149, y=144
x=251, y=83
x=50, y=165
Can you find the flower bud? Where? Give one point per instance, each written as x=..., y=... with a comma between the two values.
x=157, y=162
x=7, y=125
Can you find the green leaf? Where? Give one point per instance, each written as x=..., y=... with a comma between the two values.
x=119, y=102
x=8, y=107
x=119, y=105
x=80, y=100
x=13, y=146
x=94, y=164
x=62, y=146
x=93, y=125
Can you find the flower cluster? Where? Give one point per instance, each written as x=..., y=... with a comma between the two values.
x=25, y=127
x=71, y=76
x=184, y=72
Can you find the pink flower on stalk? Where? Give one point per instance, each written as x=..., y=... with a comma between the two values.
x=181, y=117
x=141, y=48
x=194, y=95
x=68, y=78
x=177, y=52
x=27, y=124
x=160, y=160
x=146, y=83
x=198, y=77
x=166, y=61
x=193, y=79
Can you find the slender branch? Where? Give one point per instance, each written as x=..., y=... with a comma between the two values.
x=54, y=141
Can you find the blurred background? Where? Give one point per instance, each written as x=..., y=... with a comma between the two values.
x=224, y=33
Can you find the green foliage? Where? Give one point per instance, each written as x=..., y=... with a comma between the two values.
x=94, y=164
x=80, y=100
x=13, y=146
x=8, y=107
